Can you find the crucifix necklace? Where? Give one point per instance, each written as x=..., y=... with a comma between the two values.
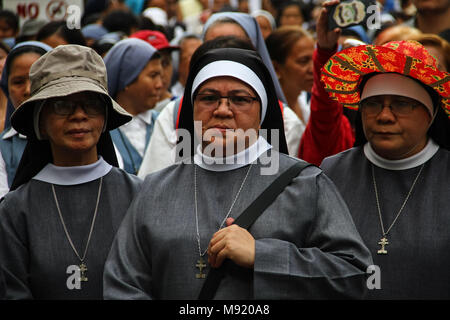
x=82, y=265
x=201, y=262
x=384, y=241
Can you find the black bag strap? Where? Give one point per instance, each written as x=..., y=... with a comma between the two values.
x=248, y=217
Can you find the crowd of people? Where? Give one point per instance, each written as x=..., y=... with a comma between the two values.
x=242, y=149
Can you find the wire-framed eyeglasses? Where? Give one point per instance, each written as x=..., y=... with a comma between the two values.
x=212, y=100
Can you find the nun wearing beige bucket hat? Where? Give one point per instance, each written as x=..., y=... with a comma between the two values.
x=68, y=197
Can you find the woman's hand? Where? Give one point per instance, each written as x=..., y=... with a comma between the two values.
x=327, y=39
x=234, y=243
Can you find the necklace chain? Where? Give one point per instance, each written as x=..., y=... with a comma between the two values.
x=401, y=208
x=92, y=223
x=228, y=213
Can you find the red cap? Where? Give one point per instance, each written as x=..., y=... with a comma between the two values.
x=155, y=38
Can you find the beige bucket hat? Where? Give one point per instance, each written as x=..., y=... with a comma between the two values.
x=63, y=71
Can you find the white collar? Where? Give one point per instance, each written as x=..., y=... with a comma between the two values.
x=68, y=176
x=145, y=116
x=411, y=162
x=11, y=133
x=235, y=161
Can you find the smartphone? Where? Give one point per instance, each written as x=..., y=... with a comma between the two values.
x=350, y=13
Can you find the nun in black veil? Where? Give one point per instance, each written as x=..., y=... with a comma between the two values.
x=181, y=226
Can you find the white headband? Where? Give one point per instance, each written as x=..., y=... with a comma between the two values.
x=234, y=69
x=396, y=84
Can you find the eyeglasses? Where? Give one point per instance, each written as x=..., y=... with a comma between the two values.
x=92, y=107
x=398, y=106
x=211, y=100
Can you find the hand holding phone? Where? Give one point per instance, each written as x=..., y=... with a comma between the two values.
x=349, y=13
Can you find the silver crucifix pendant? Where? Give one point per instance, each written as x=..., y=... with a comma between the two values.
x=200, y=265
x=383, y=242
x=83, y=270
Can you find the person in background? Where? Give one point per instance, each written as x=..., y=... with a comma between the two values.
x=328, y=130
x=56, y=33
x=93, y=32
x=135, y=82
x=159, y=41
x=121, y=21
x=438, y=48
x=303, y=246
x=68, y=198
x=396, y=33
x=432, y=16
x=291, y=49
x=9, y=27
x=4, y=51
x=291, y=14
x=265, y=21
x=30, y=29
x=136, y=6
x=243, y=6
x=15, y=84
x=188, y=44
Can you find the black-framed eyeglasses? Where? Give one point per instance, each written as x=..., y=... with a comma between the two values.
x=212, y=100
x=91, y=106
x=399, y=106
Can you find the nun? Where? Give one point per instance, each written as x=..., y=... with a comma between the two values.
x=68, y=198
x=181, y=227
x=135, y=81
x=15, y=84
x=240, y=25
x=395, y=180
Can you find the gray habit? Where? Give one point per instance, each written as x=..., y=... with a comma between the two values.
x=418, y=259
x=306, y=243
x=34, y=250
x=2, y=285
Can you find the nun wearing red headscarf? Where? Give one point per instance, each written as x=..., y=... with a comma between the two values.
x=395, y=180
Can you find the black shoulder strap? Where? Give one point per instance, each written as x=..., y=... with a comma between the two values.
x=248, y=217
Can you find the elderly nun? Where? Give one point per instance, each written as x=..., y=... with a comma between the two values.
x=243, y=26
x=396, y=178
x=67, y=198
x=182, y=226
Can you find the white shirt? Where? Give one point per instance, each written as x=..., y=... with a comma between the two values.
x=4, y=188
x=177, y=89
x=136, y=130
x=305, y=106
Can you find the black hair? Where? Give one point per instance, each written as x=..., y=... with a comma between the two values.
x=147, y=24
x=304, y=9
x=90, y=19
x=119, y=20
x=102, y=46
x=439, y=130
x=10, y=18
x=72, y=36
